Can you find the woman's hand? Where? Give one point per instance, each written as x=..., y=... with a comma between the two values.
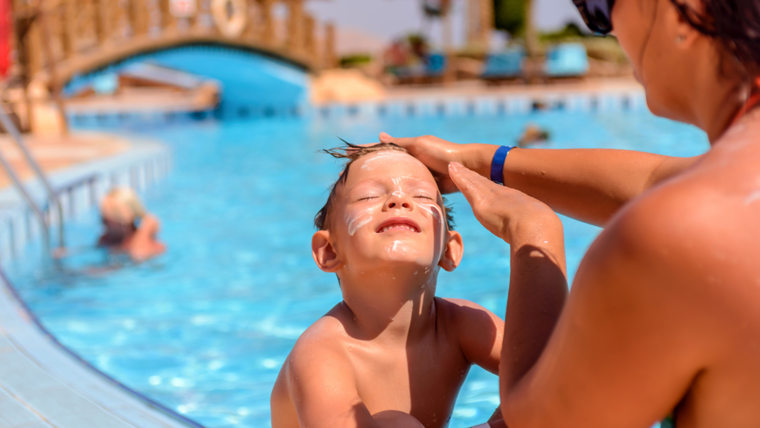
x=507, y=213
x=437, y=153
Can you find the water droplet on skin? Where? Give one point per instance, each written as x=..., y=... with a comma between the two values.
x=754, y=196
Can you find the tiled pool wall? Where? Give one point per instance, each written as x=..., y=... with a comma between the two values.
x=489, y=105
x=79, y=190
x=444, y=105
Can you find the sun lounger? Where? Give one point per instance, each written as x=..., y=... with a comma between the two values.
x=432, y=70
x=158, y=75
x=436, y=65
x=505, y=65
x=566, y=60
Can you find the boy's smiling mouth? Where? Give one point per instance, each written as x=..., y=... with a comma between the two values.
x=401, y=224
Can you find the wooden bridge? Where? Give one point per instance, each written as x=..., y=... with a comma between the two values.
x=76, y=36
x=56, y=40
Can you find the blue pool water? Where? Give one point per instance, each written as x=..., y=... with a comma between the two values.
x=204, y=328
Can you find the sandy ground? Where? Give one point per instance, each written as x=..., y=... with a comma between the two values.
x=332, y=86
x=53, y=153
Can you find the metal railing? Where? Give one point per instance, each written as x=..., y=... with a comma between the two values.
x=52, y=195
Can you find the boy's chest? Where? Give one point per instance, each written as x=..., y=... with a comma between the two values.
x=422, y=380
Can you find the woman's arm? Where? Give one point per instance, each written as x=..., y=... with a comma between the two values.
x=537, y=283
x=586, y=184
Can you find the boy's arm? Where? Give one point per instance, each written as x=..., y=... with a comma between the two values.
x=480, y=333
x=323, y=390
x=475, y=327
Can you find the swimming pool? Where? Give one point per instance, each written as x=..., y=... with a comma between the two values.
x=205, y=328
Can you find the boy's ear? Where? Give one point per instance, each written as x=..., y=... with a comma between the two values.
x=453, y=251
x=323, y=251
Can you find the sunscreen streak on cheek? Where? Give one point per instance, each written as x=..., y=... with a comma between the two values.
x=435, y=211
x=354, y=223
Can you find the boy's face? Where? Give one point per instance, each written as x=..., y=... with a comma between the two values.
x=389, y=210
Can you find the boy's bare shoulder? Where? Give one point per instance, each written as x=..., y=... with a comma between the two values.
x=464, y=316
x=325, y=338
x=319, y=353
x=458, y=310
x=478, y=331
x=316, y=382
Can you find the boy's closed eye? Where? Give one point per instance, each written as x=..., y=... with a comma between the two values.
x=418, y=196
x=367, y=198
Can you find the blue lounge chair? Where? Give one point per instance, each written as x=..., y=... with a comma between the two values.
x=566, y=60
x=436, y=65
x=504, y=65
x=433, y=69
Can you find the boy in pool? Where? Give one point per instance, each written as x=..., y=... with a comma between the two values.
x=391, y=353
x=120, y=212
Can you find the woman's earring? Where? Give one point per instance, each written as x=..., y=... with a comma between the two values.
x=680, y=38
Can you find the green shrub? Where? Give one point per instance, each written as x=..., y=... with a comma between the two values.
x=354, y=60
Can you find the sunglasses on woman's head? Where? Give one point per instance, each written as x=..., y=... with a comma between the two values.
x=596, y=14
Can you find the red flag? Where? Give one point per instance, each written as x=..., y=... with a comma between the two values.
x=5, y=37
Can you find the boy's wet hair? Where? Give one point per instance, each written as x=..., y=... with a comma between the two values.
x=352, y=152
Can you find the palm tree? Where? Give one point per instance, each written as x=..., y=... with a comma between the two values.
x=516, y=18
x=531, y=38
x=439, y=9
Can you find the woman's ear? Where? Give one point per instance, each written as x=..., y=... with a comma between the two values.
x=323, y=251
x=453, y=251
x=684, y=33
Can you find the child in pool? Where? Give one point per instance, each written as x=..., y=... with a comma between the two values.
x=120, y=212
x=391, y=353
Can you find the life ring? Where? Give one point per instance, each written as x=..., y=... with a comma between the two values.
x=229, y=16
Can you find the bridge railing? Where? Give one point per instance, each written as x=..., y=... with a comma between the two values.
x=74, y=35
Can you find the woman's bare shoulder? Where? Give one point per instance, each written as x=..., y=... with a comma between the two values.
x=681, y=212
x=685, y=232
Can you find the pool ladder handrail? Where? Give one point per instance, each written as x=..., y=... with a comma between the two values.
x=15, y=134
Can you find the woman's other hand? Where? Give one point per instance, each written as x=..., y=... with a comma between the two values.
x=507, y=213
x=437, y=153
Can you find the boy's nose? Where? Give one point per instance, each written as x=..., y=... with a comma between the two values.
x=397, y=200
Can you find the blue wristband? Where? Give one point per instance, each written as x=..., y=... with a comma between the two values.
x=497, y=164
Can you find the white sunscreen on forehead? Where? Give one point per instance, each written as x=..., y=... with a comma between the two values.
x=385, y=156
